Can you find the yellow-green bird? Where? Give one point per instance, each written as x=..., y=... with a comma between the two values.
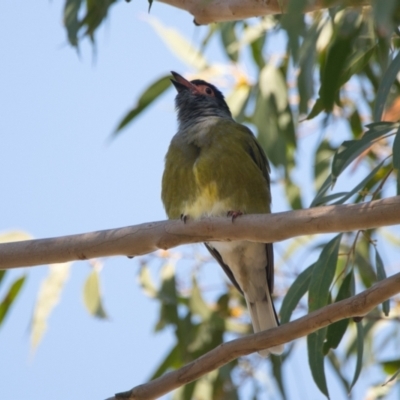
x=215, y=167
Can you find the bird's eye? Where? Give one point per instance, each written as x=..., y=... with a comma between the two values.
x=209, y=91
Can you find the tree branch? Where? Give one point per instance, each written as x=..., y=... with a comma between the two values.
x=208, y=11
x=145, y=238
x=355, y=306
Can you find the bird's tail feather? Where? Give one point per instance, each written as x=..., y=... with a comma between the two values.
x=263, y=317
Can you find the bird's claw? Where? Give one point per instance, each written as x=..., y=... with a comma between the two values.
x=184, y=218
x=234, y=214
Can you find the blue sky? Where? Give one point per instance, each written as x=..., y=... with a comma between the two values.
x=61, y=175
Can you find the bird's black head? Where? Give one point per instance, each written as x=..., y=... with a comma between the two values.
x=198, y=99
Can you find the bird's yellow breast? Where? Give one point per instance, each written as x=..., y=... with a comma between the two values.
x=207, y=201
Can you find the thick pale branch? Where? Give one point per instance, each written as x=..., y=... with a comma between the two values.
x=208, y=11
x=358, y=305
x=145, y=238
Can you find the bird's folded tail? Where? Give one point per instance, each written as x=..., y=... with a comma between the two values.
x=263, y=317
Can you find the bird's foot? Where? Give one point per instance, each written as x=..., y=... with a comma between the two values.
x=234, y=214
x=184, y=218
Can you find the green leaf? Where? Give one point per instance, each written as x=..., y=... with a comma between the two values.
x=322, y=162
x=360, y=351
x=48, y=297
x=351, y=149
x=171, y=361
x=321, y=192
x=273, y=116
x=146, y=282
x=179, y=45
x=315, y=342
x=323, y=274
x=305, y=79
x=277, y=363
x=337, y=368
x=356, y=62
x=381, y=274
x=396, y=158
x=2, y=275
x=334, y=66
x=384, y=87
x=296, y=291
x=318, y=296
x=358, y=187
x=336, y=330
x=228, y=36
x=168, y=298
x=145, y=99
x=71, y=20
x=10, y=297
x=196, y=303
x=392, y=378
x=391, y=366
x=92, y=295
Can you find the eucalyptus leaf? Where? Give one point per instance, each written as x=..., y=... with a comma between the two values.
x=396, y=158
x=360, y=351
x=315, y=343
x=179, y=45
x=47, y=299
x=336, y=330
x=146, y=98
x=318, y=296
x=11, y=295
x=384, y=87
x=351, y=149
x=381, y=274
x=323, y=274
x=71, y=20
x=92, y=296
x=296, y=291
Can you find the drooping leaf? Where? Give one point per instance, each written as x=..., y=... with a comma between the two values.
x=315, y=342
x=323, y=274
x=351, y=149
x=360, y=351
x=179, y=45
x=146, y=281
x=296, y=291
x=381, y=274
x=277, y=364
x=307, y=57
x=318, y=296
x=358, y=187
x=146, y=98
x=47, y=299
x=384, y=87
x=228, y=36
x=168, y=297
x=71, y=20
x=340, y=49
x=171, y=361
x=337, y=368
x=393, y=377
x=92, y=296
x=396, y=158
x=322, y=162
x=336, y=330
x=11, y=295
x=318, y=199
x=273, y=116
x=196, y=303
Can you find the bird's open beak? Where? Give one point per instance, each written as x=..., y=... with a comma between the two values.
x=181, y=83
